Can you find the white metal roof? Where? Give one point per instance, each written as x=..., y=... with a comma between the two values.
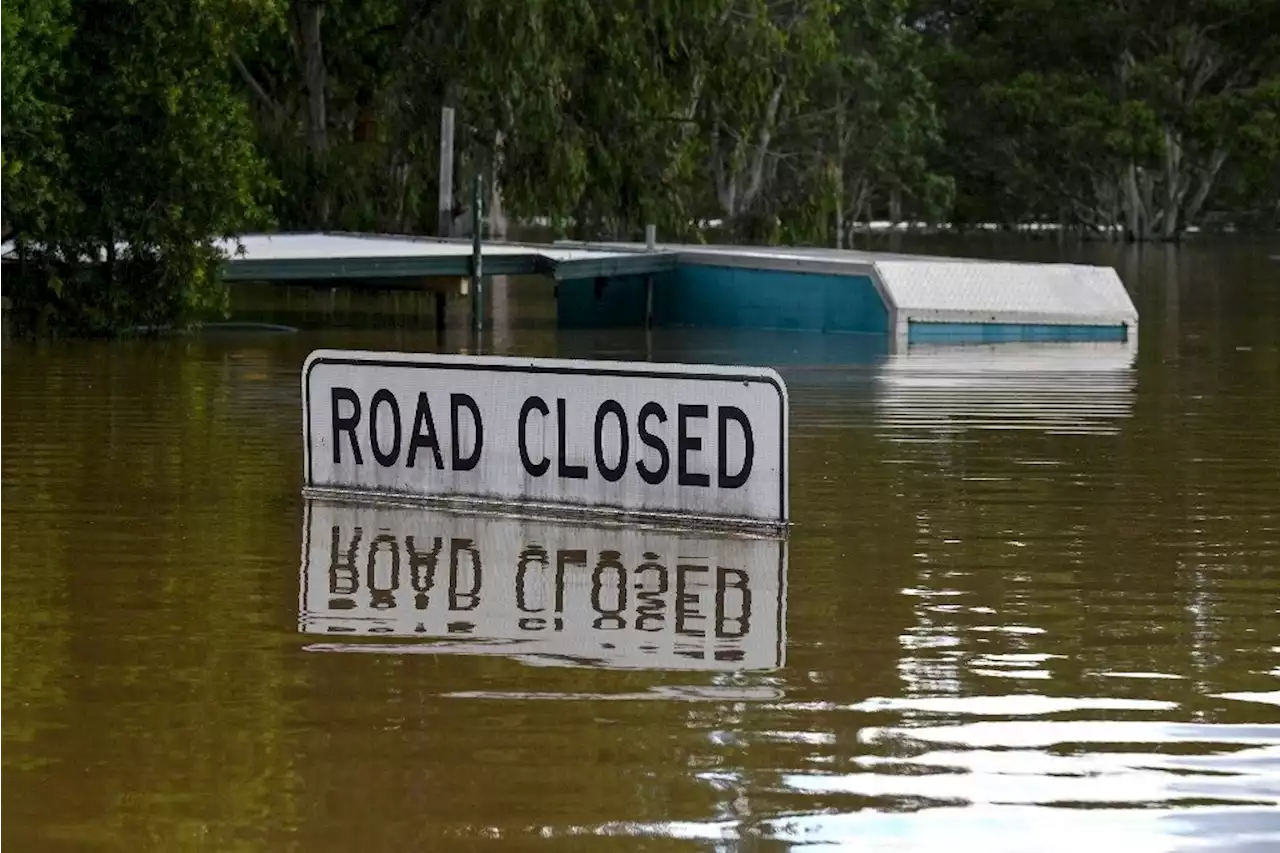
x=317, y=246
x=328, y=246
x=1006, y=293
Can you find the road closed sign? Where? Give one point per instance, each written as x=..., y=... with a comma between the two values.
x=692, y=442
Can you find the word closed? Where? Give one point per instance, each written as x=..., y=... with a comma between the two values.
x=614, y=597
x=649, y=439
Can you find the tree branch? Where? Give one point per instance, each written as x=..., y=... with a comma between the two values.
x=762, y=144
x=270, y=103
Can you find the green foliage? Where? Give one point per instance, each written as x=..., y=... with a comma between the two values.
x=881, y=116
x=607, y=116
x=36, y=33
x=136, y=135
x=145, y=159
x=594, y=114
x=1134, y=116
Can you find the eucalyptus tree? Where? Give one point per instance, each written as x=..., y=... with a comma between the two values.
x=1116, y=117
x=588, y=120
x=874, y=122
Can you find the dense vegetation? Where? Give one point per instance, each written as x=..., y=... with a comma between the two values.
x=136, y=134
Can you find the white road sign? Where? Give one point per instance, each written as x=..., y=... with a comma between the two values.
x=542, y=591
x=696, y=442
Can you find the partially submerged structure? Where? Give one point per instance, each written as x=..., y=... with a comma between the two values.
x=908, y=299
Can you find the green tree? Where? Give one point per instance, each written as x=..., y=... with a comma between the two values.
x=1115, y=117
x=603, y=115
x=156, y=163
x=36, y=33
x=592, y=120
x=763, y=57
x=341, y=131
x=875, y=123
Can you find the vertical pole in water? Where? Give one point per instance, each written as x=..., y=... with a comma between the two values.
x=650, y=243
x=444, y=205
x=477, y=302
x=648, y=318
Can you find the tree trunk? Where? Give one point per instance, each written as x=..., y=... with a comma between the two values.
x=109, y=260
x=726, y=186
x=1192, y=210
x=497, y=218
x=1132, y=204
x=1130, y=201
x=1113, y=211
x=1150, y=214
x=400, y=174
x=736, y=189
x=764, y=138
x=841, y=139
x=839, y=207
x=1173, y=179
x=310, y=14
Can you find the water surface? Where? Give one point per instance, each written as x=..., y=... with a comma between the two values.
x=1031, y=602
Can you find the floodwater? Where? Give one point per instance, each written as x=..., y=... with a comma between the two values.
x=1031, y=601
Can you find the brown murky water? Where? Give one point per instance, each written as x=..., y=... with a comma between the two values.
x=1031, y=602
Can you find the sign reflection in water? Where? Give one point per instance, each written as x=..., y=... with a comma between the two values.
x=550, y=592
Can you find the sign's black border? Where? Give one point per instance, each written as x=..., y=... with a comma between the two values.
x=783, y=508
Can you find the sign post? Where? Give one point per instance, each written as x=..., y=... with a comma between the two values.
x=691, y=444
x=477, y=261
